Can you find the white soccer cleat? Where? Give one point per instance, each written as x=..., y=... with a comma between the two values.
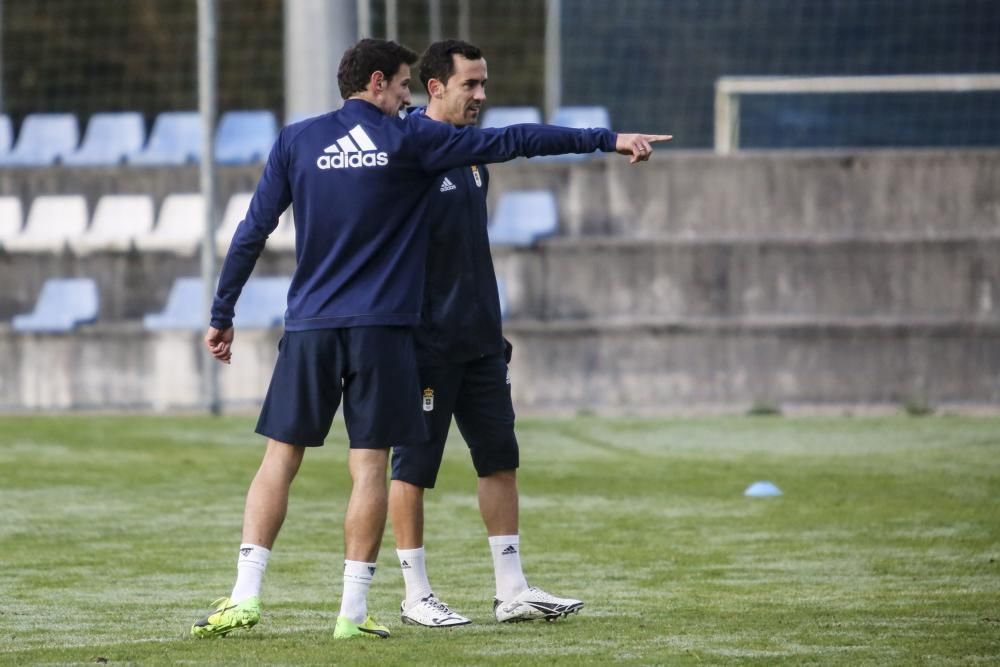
x=431, y=613
x=533, y=604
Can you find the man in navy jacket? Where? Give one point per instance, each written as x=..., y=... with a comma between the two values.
x=463, y=367
x=358, y=178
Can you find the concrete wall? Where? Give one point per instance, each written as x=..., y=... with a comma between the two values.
x=789, y=278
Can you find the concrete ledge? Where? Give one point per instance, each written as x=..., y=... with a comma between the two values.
x=652, y=365
x=898, y=276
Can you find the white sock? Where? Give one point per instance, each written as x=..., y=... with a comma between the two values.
x=249, y=572
x=507, y=566
x=413, y=564
x=357, y=578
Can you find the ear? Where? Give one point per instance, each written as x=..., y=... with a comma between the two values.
x=435, y=88
x=377, y=81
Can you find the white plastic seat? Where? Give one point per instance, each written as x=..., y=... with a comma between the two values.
x=235, y=211
x=118, y=221
x=11, y=217
x=524, y=216
x=109, y=138
x=63, y=305
x=282, y=239
x=179, y=228
x=52, y=221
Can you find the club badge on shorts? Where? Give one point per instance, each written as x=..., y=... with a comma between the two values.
x=475, y=175
x=428, y=399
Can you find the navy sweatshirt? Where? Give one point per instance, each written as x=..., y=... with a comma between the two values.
x=460, y=319
x=360, y=182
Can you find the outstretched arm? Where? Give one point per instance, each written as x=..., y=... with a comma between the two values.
x=639, y=146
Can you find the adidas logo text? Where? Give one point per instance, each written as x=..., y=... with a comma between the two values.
x=404, y=565
x=354, y=149
x=447, y=185
x=509, y=550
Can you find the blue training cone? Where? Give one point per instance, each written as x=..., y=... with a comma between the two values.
x=762, y=490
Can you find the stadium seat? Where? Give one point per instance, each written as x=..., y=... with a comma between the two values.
x=11, y=218
x=44, y=139
x=179, y=228
x=524, y=216
x=282, y=239
x=245, y=137
x=260, y=306
x=175, y=139
x=6, y=134
x=580, y=117
x=504, y=116
x=236, y=210
x=64, y=304
x=52, y=221
x=118, y=221
x=502, y=291
x=109, y=138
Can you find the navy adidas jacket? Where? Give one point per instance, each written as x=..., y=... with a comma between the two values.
x=360, y=182
x=460, y=319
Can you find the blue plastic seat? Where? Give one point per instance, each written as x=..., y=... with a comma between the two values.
x=44, y=138
x=175, y=139
x=109, y=138
x=261, y=305
x=580, y=117
x=504, y=116
x=245, y=137
x=523, y=217
x=6, y=133
x=63, y=305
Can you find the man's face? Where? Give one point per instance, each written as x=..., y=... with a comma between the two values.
x=395, y=95
x=465, y=92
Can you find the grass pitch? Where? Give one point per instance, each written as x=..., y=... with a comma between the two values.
x=117, y=532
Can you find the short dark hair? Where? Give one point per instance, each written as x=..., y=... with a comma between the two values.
x=367, y=57
x=437, y=62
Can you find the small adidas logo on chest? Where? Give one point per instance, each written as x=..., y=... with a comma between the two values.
x=447, y=185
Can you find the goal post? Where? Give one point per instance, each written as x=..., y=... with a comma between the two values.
x=728, y=90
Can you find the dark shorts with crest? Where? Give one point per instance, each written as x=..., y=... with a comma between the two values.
x=477, y=393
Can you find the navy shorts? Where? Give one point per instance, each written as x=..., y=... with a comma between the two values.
x=373, y=368
x=478, y=394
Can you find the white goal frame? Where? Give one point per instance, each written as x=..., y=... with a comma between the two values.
x=729, y=88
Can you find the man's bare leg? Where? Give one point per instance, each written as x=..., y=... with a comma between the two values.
x=364, y=524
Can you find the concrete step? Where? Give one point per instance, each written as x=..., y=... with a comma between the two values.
x=626, y=278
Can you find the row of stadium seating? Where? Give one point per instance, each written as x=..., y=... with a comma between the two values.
x=242, y=137
x=123, y=222
x=66, y=303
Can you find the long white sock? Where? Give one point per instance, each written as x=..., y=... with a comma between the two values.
x=357, y=578
x=249, y=572
x=413, y=564
x=507, y=566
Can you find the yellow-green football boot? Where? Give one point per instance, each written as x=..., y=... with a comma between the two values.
x=370, y=629
x=228, y=617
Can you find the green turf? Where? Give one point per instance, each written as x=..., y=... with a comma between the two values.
x=117, y=532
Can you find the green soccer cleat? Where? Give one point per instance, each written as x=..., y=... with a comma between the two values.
x=370, y=629
x=227, y=618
